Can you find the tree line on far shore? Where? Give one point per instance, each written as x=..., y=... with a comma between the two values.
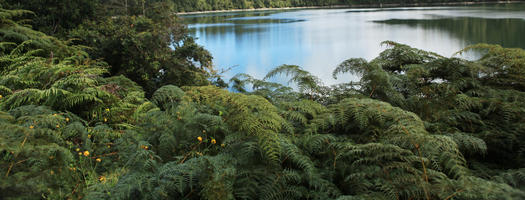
x=208, y=5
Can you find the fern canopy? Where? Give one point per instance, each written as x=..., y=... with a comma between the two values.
x=416, y=126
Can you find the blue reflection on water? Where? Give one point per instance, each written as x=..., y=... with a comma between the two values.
x=318, y=40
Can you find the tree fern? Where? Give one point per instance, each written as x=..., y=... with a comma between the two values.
x=306, y=82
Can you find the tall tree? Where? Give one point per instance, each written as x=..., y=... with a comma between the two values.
x=152, y=49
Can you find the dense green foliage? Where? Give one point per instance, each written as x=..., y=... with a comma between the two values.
x=55, y=17
x=141, y=48
x=144, y=42
x=75, y=124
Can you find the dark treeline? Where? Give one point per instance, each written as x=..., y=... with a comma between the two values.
x=65, y=14
x=207, y=5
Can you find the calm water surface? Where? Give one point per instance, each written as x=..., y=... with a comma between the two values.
x=319, y=39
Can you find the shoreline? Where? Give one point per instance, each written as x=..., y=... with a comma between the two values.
x=389, y=5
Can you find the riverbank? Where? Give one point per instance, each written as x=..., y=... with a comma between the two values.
x=390, y=5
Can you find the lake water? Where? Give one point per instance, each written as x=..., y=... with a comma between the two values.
x=319, y=39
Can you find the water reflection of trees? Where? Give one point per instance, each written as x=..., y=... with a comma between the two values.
x=237, y=23
x=227, y=29
x=506, y=32
x=212, y=18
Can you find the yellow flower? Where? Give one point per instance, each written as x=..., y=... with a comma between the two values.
x=223, y=145
x=1, y=96
x=199, y=138
x=55, y=114
x=102, y=179
x=109, y=146
x=213, y=141
x=107, y=109
x=105, y=119
x=79, y=153
x=31, y=127
x=89, y=135
x=86, y=153
x=99, y=160
x=67, y=119
x=77, y=149
x=58, y=126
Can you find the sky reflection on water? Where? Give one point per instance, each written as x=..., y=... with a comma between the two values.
x=319, y=39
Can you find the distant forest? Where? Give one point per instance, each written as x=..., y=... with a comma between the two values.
x=205, y=5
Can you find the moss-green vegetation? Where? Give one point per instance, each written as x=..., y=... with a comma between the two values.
x=106, y=116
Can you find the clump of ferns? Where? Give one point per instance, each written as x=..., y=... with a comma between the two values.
x=183, y=132
x=53, y=153
x=379, y=122
x=14, y=31
x=247, y=114
x=78, y=87
x=51, y=79
x=455, y=95
x=179, y=116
